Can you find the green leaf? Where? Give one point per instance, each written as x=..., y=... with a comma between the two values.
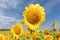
x=38, y=39
x=41, y=38
x=23, y=37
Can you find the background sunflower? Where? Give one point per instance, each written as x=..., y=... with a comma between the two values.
x=1, y=37
x=17, y=30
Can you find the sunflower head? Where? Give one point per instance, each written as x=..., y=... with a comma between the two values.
x=1, y=37
x=35, y=35
x=48, y=37
x=54, y=24
x=17, y=30
x=46, y=31
x=34, y=16
x=27, y=34
x=57, y=34
x=58, y=38
x=7, y=37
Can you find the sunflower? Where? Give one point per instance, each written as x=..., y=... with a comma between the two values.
x=34, y=16
x=54, y=24
x=7, y=37
x=1, y=37
x=17, y=30
x=35, y=35
x=27, y=34
x=57, y=35
x=48, y=37
x=58, y=38
x=46, y=31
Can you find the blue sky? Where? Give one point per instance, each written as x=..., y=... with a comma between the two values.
x=11, y=12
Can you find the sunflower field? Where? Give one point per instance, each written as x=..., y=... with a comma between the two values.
x=33, y=16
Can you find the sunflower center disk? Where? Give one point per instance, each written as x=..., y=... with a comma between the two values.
x=33, y=18
x=17, y=30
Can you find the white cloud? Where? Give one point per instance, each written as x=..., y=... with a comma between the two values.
x=1, y=12
x=8, y=3
x=5, y=18
x=6, y=22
